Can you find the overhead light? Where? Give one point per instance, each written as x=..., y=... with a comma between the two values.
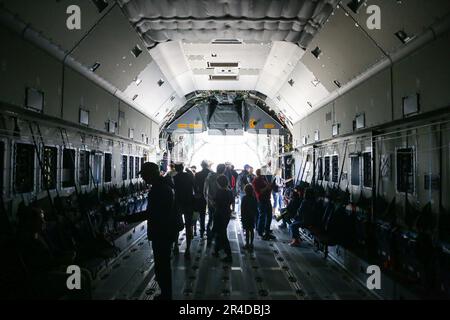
x=223, y=77
x=135, y=97
x=315, y=82
x=160, y=82
x=291, y=82
x=137, y=81
x=316, y=52
x=136, y=51
x=354, y=5
x=337, y=83
x=172, y=98
x=223, y=64
x=403, y=36
x=310, y=104
x=214, y=55
x=226, y=41
x=95, y=66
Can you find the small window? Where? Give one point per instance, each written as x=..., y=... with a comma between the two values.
x=107, y=168
x=326, y=171
x=355, y=178
x=50, y=167
x=24, y=168
x=405, y=170
x=335, y=168
x=131, y=168
x=97, y=168
x=124, y=167
x=367, y=169
x=319, y=169
x=84, y=168
x=136, y=167
x=68, y=173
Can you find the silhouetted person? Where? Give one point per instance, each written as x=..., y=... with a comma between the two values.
x=304, y=216
x=249, y=212
x=263, y=191
x=184, y=201
x=223, y=199
x=161, y=225
x=200, y=201
x=209, y=193
x=46, y=270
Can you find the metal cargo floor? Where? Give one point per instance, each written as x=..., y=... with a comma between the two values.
x=274, y=270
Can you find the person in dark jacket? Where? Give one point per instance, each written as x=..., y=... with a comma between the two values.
x=223, y=199
x=209, y=192
x=304, y=216
x=249, y=211
x=291, y=209
x=184, y=201
x=200, y=201
x=162, y=225
x=263, y=191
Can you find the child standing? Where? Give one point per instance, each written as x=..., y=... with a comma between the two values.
x=249, y=211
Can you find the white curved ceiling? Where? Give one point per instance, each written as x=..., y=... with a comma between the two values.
x=274, y=41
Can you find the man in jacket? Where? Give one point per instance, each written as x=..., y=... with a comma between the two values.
x=161, y=225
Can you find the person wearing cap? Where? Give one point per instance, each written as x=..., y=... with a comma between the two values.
x=161, y=225
x=200, y=201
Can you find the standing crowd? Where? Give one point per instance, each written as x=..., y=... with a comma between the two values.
x=182, y=196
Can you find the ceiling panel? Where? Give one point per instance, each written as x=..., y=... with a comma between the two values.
x=411, y=16
x=159, y=21
x=149, y=94
x=281, y=61
x=110, y=44
x=346, y=51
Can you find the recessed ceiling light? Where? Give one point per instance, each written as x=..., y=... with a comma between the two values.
x=160, y=82
x=354, y=5
x=316, y=52
x=135, y=97
x=337, y=83
x=137, y=81
x=291, y=82
x=315, y=82
x=136, y=51
x=403, y=36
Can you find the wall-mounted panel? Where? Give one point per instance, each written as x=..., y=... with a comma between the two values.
x=80, y=93
x=110, y=44
x=427, y=73
x=22, y=65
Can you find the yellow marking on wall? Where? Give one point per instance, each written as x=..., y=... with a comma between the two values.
x=269, y=126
